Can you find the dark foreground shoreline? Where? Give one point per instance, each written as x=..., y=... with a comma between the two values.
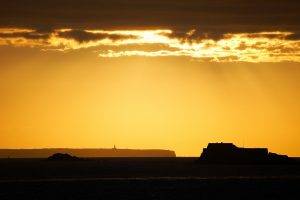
x=145, y=178
x=231, y=188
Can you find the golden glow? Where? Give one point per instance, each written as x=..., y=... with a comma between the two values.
x=242, y=47
x=147, y=89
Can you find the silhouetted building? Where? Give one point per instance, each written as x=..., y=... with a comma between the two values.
x=228, y=153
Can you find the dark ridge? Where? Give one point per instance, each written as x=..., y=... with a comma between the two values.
x=228, y=153
x=113, y=152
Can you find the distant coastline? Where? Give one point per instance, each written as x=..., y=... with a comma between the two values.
x=85, y=152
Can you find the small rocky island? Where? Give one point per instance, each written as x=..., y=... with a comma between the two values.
x=228, y=153
x=62, y=157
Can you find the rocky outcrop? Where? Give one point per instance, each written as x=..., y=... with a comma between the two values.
x=228, y=153
x=62, y=157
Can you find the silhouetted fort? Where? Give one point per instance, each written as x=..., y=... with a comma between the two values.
x=112, y=152
x=228, y=153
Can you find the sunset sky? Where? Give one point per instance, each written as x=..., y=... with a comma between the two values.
x=148, y=74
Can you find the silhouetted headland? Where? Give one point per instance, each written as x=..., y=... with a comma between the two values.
x=228, y=153
x=113, y=152
x=62, y=157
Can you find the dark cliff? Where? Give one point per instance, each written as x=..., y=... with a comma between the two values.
x=44, y=153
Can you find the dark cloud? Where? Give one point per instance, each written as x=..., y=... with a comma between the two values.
x=78, y=35
x=267, y=35
x=84, y=36
x=294, y=36
x=27, y=35
x=210, y=18
x=195, y=35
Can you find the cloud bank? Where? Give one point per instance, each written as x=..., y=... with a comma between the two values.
x=232, y=30
x=214, y=17
x=240, y=47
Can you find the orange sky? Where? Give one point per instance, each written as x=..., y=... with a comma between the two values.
x=168, y=74
x=77, y=99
